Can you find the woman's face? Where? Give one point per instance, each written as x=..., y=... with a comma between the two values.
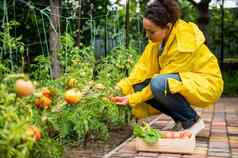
x=154, y=32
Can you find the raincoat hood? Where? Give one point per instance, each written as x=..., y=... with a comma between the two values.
x=189, y=37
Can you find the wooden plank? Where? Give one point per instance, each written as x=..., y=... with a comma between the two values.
x=183, y=146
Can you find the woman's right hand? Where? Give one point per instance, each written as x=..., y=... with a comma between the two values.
x=120, y=100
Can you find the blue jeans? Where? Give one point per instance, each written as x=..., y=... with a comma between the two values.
x=173, y=105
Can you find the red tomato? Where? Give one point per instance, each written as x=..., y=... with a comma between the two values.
x=34, y=132
x=168, y=134
x=43, y=102
x=185, y=137
x=176, y=134
x=187, y=134
x=72, y=96
x=48, y=92
x=24, y=88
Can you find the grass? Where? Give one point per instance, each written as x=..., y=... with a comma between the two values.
x=230, y=83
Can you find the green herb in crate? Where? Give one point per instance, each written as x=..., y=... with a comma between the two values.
x=147, y=133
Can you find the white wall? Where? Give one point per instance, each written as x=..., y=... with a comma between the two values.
x=227, y=3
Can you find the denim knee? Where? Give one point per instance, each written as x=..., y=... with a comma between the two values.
x=158, y=84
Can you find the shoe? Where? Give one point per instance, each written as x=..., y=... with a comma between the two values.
x=173, y=126
x=178, y=127
x=168, y=126
x=196, y=127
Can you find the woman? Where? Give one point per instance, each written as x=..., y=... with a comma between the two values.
x=176, y=71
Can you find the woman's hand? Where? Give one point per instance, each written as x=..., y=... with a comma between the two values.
x=120, y=100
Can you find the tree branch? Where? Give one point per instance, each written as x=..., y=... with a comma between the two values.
x=207, y=1
x=193, y=2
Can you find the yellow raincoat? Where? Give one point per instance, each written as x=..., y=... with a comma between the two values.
x=184, y=53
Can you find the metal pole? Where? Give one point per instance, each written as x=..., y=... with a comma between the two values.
x=105, y=32
x=79, y=23
x=127, y=40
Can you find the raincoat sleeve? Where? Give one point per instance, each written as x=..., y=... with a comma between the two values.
x=136, y=74
x=139, y=97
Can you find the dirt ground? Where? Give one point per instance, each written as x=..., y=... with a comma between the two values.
x=99, y=148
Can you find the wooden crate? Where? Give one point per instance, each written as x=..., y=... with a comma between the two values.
x=183, y=146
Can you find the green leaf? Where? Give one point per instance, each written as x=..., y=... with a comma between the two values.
x=148, y=134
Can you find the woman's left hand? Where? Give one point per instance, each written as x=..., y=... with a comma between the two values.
x=120, y=100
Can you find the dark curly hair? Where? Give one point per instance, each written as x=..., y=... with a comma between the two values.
x=162, y=12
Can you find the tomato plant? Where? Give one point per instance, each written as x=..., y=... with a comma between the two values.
x=19, y=132
x=41, y=122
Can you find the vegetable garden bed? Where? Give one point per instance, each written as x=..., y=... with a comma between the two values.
x=43, y=118
x=99, y=148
